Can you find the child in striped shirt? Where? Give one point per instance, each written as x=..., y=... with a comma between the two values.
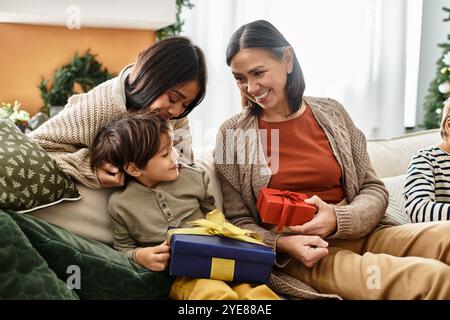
x=427, y=186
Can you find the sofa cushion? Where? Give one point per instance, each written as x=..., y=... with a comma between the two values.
x=87, y=217
x=205, y=160
x=24, y=274
x=29, y=178
x=395, y=213
x=105, y=273
x=390, y=157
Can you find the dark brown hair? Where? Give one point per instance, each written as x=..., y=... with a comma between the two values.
x=134, y=137
x=168, y=63
x=263, y=35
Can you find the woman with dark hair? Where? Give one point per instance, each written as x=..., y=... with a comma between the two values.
x=287, y=141
x=170, y=75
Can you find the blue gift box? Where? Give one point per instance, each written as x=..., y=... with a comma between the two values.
x=220, y=258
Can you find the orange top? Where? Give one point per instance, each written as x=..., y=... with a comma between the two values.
x=306, y=160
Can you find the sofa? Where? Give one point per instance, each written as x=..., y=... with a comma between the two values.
x=88, y=217
x=42, y=251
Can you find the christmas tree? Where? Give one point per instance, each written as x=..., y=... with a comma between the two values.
x=439, y=90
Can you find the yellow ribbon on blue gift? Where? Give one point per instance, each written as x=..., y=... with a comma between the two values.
x=215, y=224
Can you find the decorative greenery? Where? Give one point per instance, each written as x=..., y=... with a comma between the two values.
x=439, y=89
x=84, y=70
x=13, y=113
x=177, y=27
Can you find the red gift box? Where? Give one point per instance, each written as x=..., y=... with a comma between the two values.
x=284, y=208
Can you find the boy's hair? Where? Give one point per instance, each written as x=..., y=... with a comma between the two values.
x=134, y=137
x=445, y=116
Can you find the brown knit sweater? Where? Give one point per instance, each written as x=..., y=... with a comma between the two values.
x=366, y=195
x=68, y=136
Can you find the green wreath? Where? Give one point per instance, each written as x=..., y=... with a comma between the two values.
x=83, y=70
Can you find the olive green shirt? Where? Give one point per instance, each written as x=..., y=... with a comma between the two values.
x=140, y=215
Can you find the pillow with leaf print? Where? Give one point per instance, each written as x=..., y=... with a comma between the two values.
x=29, y=178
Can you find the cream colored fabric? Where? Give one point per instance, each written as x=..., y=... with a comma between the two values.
x=204, y=159
x=390, y=157
x=395, y=212
x=87, y=217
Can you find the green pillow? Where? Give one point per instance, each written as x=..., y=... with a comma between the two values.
x=104, y=272
x=24, y=274
x=29, y=178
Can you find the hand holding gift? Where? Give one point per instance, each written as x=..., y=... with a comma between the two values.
x=153, y=258
x=284, y=208
x=324, y=222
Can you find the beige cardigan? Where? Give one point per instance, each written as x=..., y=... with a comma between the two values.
x=365, y=193
x=68, y=136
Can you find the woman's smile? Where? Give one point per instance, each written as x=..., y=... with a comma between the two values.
x=262, y=97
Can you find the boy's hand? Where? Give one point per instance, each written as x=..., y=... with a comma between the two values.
x=154, y=258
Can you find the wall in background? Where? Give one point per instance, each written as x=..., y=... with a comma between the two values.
x=116, y=14
x=30, y=52
x=434, y=31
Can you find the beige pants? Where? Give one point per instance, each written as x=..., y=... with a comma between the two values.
x=403, y=262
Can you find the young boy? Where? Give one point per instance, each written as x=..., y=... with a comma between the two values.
x=160, y=193
x=427, y=186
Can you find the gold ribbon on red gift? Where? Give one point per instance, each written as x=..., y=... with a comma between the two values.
x=288, y=198
x=215, y=224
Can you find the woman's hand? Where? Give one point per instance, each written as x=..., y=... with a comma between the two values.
x=154, y=258
x=306, y=249
x=323, y=224
x=110, y=176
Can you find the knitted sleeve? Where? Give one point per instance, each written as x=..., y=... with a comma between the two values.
x=366, y=210
x=183, y=140
x=67, y=136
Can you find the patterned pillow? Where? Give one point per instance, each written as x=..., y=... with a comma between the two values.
x=29, y=178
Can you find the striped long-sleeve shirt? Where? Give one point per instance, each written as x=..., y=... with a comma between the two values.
x=427, y=186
